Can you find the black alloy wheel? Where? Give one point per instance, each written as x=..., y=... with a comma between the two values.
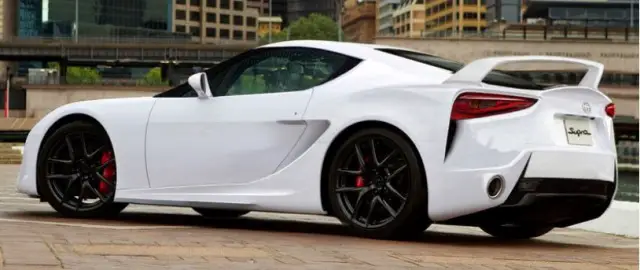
x=516, y=232
x=77, y=172
x=377, y=185
x=219, y=213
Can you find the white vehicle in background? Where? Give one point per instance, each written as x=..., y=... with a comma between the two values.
x=388, y=140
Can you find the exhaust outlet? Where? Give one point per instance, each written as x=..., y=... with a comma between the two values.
x=495, y=186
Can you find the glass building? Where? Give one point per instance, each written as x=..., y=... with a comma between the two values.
x=302, y=8
x=608, y=13
x=503, y=10
x=108, y=19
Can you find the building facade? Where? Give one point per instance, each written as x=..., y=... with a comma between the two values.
x=415, y=18
x=278, y=8
x=359, y=20
x=216, y=21
x=107, y=19
x=264, y=23
x=384, y=17
x=303, y=8
x=610, y=13
x=506, y=11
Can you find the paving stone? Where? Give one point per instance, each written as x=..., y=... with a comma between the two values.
x=170, y=239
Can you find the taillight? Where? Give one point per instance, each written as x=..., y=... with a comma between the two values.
x=610, y=110
x=475, y=105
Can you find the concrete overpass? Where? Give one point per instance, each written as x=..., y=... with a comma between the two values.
x=109, y=53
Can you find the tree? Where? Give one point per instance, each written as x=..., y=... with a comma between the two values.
x=315, y=26
x=79, y=75
x=83, y=75
x=153, y=77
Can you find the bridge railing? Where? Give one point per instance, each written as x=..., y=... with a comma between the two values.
x=87, y=80
x=125, y=40
x=538, y=32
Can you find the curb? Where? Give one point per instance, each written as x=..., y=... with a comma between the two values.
x=620, y=219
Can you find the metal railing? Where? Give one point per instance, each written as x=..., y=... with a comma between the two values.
x=88, y=80
x=535, y=32
x=127, y=40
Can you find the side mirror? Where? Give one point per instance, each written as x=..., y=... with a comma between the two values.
x=200, y=84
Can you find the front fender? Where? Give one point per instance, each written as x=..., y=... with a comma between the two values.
x=123, y=119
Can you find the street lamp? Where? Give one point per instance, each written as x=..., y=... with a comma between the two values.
x=339, y=9
x=632, y=12
x=75, y=24
x=270, y=26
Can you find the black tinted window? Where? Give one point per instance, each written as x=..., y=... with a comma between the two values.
x=494, y=77
x=282, y=70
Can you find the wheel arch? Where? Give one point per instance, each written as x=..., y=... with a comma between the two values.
x=70, y=118
x=343, y=136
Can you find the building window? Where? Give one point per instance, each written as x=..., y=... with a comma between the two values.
x=224, y=18
x=211, y=17
x=194, y=16
x=212, y=3
x=194, y=3
x=224, y=4
x=181, y=2
x=238, y=5
x=224, y=33
x=251, y=35
x=195, y=31
x=469, y=15
x=251, y=21
x=211, y=32
x=237, y=20
x=181, y=15
x=469, y=29
x=181, y=29
x=237, y=35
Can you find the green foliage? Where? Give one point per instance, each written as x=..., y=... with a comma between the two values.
x=153, y=78
x=79, y=75
x=315, y=26
x=83, y=75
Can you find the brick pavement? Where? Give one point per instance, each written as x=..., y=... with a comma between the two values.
x=33, y=237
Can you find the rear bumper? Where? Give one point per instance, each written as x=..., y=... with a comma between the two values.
x=547, y=202
x=560, y=187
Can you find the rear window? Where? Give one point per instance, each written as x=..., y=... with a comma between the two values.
x=494, y=77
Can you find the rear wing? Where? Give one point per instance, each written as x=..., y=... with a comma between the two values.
x=477, y=70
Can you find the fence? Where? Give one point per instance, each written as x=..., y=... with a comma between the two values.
x=539, y=32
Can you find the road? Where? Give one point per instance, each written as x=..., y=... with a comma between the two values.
x=32, y=236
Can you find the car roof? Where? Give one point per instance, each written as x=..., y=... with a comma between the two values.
x=359, y=50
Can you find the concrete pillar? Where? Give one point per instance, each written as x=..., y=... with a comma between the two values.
x=168, y=71
x=63, y=72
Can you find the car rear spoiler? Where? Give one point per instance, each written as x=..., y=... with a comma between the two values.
x=477, y=70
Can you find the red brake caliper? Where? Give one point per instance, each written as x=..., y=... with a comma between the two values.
x=359, y=178
x=108, y=172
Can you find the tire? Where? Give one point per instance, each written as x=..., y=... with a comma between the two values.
x=80, y=174
x=515, y=232
x=218, y=213
x=377, y=184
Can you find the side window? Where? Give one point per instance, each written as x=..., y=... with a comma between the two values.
x=282, y=70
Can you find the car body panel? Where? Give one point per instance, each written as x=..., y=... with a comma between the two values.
x=266, y=152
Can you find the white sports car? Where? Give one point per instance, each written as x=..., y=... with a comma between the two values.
x=388, y=140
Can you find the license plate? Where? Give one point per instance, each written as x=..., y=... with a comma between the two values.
x=578, y=131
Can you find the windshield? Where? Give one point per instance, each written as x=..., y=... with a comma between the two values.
x=494, y=77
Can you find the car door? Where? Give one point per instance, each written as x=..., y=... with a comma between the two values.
x=243, y=132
